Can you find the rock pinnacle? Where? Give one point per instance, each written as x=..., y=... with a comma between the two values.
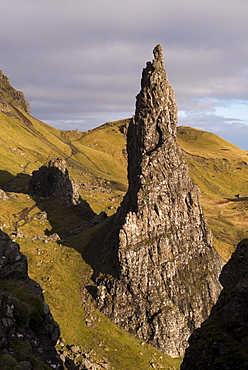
x=166, y=270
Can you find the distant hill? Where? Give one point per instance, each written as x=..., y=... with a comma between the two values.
x=220, y=169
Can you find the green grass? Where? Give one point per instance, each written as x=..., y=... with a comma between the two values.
x=220, y=169
x=8, y=363
x=29, y=307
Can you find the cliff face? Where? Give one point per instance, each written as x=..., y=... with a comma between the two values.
x=222, y=340
x=28, y=332
x=165, y=271
x=8, y=96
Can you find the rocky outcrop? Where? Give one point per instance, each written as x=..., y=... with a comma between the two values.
x=159, y=275
x=13, y=96
x=13, y=264
x=28, y=332
x=74, y=357
x=52, y=181
x=3, y=195
x=222, y=341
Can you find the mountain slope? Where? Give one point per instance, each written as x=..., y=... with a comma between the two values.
x=10, y=98
x=220, y=169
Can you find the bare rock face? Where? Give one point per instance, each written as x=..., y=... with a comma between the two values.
x=13, y=96
x=13, y=264
x=25, y=317
x=222, y=341
x=52, y=181
x=164, y=268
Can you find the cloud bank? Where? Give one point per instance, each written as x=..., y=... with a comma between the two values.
x=79, y=63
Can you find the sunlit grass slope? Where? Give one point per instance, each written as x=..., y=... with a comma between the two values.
x=96, y=159
x=220, y=169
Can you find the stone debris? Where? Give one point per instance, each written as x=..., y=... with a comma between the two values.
x=3, y=195
x=74, y=357
x=42, y=215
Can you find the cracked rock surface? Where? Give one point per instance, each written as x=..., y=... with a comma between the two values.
x=52, y=181
x=164, y=271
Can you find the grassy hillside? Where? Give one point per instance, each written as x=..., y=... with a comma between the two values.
x=97, y=161
x=220, y=169
x=27, y=143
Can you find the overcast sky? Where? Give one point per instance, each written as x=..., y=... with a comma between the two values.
x=79, y=62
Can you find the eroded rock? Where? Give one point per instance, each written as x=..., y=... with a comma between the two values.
x=15, y=97
x=13, y=264
x=52, y=181
x=159, y=248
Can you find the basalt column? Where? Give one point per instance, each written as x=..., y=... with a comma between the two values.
x=167, y=271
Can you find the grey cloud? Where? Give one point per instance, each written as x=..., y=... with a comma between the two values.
x=78, y=61
x=230, y=129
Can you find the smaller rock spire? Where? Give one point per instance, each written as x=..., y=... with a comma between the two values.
x=52, y=180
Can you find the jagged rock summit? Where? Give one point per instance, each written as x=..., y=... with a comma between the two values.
x=222, y=341
x=9, y=96
x=164, y=269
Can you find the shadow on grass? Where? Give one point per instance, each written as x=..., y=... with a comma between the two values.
x=16, y=184
x=76, y=226
x=238, y=199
